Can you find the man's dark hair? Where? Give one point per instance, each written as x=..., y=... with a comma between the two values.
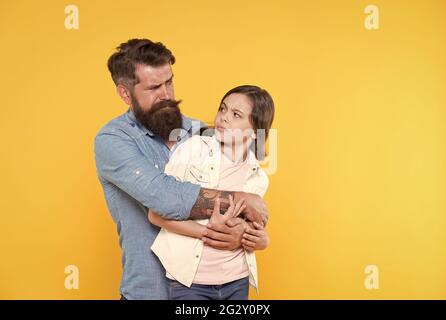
x=122, y=64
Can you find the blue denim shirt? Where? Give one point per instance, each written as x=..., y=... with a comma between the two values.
x=130, y=163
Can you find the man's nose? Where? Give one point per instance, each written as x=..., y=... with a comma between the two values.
x=164, y=95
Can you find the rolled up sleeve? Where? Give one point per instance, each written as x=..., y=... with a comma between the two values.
x=121, y=162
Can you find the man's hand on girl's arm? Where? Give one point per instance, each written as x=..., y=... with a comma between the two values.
x=220, y=236
x=255, y=238
x=255, y=209
x=224, y=231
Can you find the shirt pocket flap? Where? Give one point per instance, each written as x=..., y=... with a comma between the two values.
x=199, y=175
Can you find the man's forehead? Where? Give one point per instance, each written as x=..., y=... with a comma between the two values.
x=153, y=75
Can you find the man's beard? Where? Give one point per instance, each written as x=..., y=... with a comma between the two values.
x=162, y=118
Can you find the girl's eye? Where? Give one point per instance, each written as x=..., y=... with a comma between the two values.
x=221, y=109
x=236, y=115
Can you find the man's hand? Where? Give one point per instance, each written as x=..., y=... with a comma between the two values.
x=255, y=239
x=256, y=209
x=221, y=236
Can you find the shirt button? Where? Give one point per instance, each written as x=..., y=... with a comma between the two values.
x=212, y=168
x=137, y=172
x=197, y=256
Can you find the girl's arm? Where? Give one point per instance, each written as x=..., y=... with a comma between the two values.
x=188, y=228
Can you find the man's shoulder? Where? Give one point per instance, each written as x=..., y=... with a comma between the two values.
x=114, y=125
x=117, y=124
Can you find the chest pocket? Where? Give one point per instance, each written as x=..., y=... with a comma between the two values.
x=199, y=176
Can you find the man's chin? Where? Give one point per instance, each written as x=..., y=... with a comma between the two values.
x=163, y=125
x=162, y=118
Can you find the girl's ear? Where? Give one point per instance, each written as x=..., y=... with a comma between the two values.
x=254, y=136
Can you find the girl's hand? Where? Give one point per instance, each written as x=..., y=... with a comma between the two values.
x=255, y=239
x=233, y=211
x=221, y=236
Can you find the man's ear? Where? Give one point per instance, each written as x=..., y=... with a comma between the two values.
x=124, y=93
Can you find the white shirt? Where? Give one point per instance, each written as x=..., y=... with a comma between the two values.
x=198, y=160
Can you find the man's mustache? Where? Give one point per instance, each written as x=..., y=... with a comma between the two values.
x=164, y=104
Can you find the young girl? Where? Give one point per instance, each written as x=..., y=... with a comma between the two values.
x=224, y=161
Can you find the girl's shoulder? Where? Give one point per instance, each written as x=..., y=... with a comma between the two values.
x=192, y=147
x=258, y=181
x=261, y=182
x=197, y=142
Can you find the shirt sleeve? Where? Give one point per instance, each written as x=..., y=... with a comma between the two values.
x=119, y=161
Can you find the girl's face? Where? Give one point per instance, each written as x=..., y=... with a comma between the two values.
x=232, y=124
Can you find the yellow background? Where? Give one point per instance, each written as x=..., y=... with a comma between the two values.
x=360, y=114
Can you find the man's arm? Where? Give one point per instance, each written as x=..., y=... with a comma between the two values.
x=119, y=161
x=255, y=211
